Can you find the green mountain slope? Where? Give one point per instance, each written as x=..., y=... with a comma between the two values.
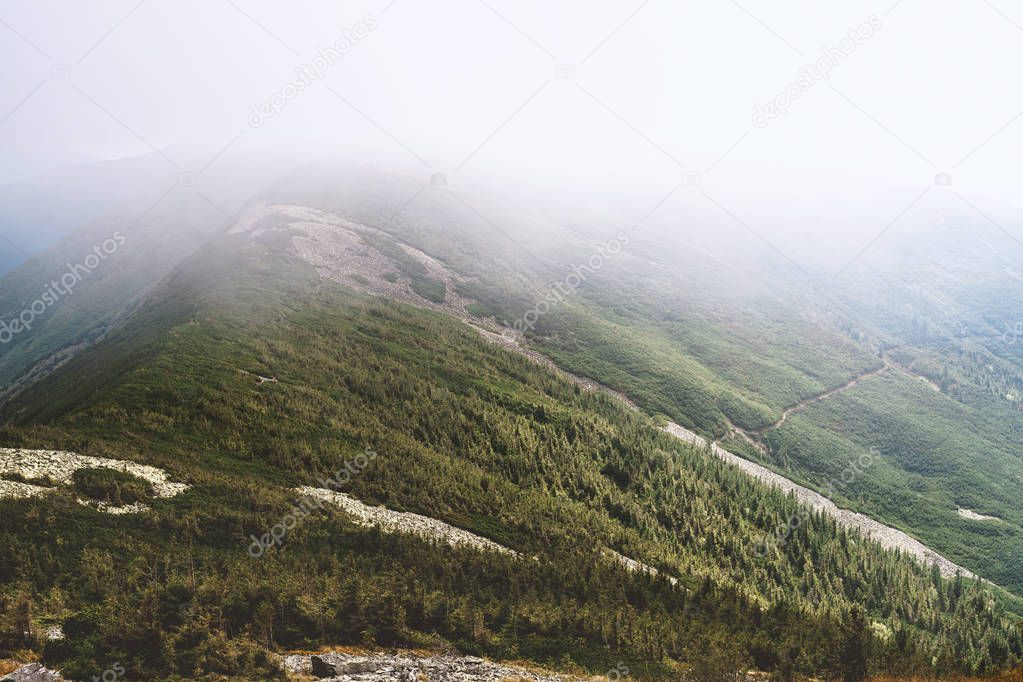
x=707, y=325
x=466, y=433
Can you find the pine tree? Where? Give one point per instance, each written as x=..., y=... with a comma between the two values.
x=855, y=643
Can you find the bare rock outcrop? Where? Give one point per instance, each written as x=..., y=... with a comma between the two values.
x=391, y=521
x=29, y=468
x=407, y=667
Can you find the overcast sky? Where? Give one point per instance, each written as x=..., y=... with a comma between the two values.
x=647, y=92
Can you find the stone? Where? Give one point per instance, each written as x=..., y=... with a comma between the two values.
x=357, y=667
x=325, y=665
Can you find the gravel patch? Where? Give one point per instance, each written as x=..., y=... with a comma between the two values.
x=391, y=521
x=974, y=516
x=634, y=566
x=407, y=667
x=59, y=467
x=886, y=536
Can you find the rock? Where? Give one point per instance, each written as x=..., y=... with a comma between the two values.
x=325, y=665
x=408, y=675
x=331, y=665
x=297, y=664
x=33, y=672
x=58, y=467
x=357, y=667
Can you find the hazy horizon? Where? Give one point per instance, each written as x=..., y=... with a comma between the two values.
x=629, y=94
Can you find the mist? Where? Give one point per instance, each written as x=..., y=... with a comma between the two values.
x=785, y=121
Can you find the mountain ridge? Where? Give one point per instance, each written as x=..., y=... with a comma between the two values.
x=473, y=436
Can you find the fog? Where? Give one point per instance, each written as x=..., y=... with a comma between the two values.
x=638, y=101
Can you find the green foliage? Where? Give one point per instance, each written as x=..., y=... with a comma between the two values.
x=922, y=448
x=111, y=486
x=43, y=481
x=429, y=288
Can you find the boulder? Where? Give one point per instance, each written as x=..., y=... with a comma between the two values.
x=333, y=665
x=357, y=667
x=325, y=665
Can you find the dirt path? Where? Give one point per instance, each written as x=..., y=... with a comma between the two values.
x=803, y=404
x=910, y=373
x=753, y=437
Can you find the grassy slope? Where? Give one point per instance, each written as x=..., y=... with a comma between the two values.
x=153, y=245
x=467, y=433
x=683, y=346
x=688, y=369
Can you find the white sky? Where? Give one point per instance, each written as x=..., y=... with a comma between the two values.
x=674, y=85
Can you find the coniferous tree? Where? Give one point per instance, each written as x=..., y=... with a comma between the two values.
x=854, y=647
